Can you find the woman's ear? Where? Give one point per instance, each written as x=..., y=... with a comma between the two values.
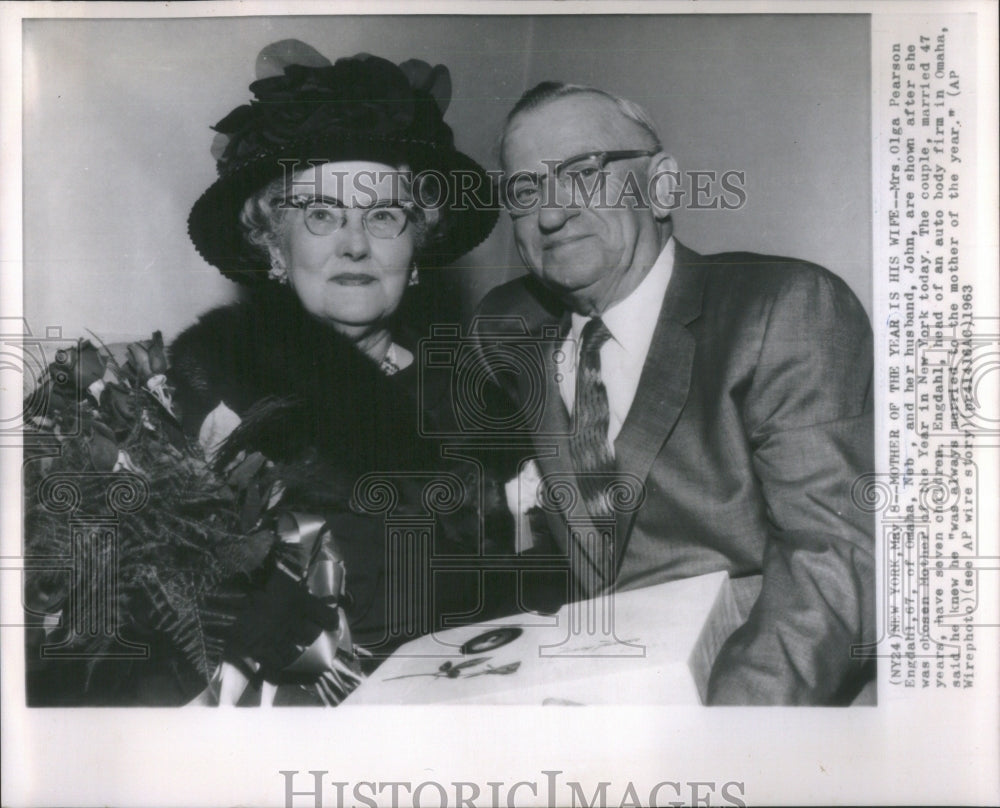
x=665, y=192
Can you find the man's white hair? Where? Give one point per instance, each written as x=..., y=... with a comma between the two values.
x=548, y=91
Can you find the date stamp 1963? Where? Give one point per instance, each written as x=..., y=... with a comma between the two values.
x=937, y=356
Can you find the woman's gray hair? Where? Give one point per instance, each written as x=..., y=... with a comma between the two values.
x=263, y=218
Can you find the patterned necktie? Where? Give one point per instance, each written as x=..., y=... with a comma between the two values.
x=589, y=449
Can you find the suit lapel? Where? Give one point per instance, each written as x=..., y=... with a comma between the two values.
x=660, y=397
x=551, y=438
x=665, y=380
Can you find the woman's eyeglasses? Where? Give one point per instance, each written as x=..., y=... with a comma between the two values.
x=323, y=216
x=582, y=176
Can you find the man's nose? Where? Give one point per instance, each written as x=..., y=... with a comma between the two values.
x=352, y=239
x=552, y=215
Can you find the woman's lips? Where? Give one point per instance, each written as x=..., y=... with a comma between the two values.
x=353, y=279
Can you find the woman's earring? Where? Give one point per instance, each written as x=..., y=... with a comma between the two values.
x=277, y=272
x=414, y=275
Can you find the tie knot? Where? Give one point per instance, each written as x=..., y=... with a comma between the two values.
x=595, y=334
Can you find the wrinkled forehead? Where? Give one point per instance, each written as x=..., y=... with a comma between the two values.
x=353, y=182
x=566, y=126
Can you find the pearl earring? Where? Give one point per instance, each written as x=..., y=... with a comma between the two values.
x=414, y=275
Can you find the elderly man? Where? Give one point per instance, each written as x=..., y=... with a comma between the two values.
x=735, y=387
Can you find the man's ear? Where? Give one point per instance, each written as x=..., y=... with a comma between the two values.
x=665, y=191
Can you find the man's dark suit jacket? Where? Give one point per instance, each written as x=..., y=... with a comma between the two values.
x=752, y=420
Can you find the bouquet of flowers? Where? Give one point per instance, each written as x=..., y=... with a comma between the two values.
x=155, y=576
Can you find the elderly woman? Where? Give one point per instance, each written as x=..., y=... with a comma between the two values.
x=337, y=184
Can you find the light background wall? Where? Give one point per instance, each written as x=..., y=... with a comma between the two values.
x=117, y=116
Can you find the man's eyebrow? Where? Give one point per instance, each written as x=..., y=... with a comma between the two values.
x=522, y=172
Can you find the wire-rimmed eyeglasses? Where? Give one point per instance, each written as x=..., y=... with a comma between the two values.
x=323, y=216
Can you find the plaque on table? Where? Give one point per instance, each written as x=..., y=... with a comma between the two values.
x=644, y=646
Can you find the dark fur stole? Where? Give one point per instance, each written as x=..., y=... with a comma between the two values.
x=311, y=402
x=333, y=399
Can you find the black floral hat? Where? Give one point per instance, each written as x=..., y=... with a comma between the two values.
x=360, y=108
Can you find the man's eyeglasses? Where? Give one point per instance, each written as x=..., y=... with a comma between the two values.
x=323, y=216
x=583, y=175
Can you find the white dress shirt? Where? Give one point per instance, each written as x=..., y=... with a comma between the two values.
x=631, y=322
